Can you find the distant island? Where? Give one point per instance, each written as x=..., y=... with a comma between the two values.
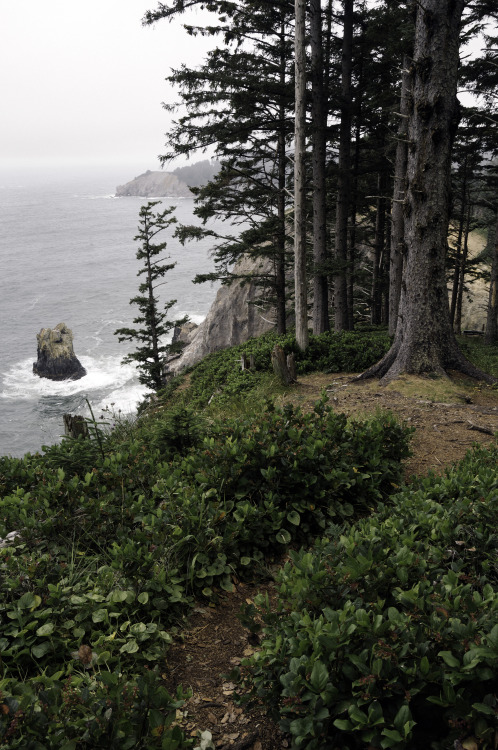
x=174, y=184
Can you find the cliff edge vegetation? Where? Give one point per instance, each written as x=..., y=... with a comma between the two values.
x=110, y=543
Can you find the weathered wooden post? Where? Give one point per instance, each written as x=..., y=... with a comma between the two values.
x=75, y=426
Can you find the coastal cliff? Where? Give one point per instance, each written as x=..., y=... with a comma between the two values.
x=237, y=314
x=154, y=185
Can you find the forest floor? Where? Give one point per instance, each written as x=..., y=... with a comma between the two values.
x=449, y=416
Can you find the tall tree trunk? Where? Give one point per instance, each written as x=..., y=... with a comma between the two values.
x=281, y=217
x=492, y=317
x=344, y=178
x=318, y=132
x=458, y=250
x=301, y=298
x=424, y=341
x=399, y=194
x=380, y=233
x=386, y=264
x=350, y=275
x=457, y=327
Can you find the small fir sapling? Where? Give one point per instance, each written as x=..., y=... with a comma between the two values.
x=152, y=323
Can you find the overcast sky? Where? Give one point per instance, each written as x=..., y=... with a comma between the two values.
x=83, y=82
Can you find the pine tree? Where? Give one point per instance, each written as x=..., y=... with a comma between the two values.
x=152, y=321
x=424, y=340
x=239, y=102
x=300, y=281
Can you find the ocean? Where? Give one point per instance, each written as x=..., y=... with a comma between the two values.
x=67, y=254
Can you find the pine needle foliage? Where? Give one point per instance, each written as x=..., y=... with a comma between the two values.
x=152, y=323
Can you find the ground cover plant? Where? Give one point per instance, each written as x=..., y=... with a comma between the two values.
x=117, y=537
x=386, y=633
x=219, y=378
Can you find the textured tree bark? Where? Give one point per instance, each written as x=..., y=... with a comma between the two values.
x=75, y=426
x=379, y=248
x=282, y=219
x=318, y=132
x=279, y=364
x=491, y=336
x=458, y=253
x=301, y=297
x=457, y=324
x=424, y=341
x=291, y=366
x=341, y=321
x=399, y=192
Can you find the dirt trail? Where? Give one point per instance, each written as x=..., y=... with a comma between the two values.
x=448, y=416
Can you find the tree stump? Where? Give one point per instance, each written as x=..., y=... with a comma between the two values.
x=75, y=426
x=291, y=366
x=280, y=366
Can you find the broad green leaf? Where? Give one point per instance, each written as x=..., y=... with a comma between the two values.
x=283, y=536
x=143, y=598
x=392, y=738
x=449, y=659
x=294, y=518
x=46, y=629
x=343, y=725
x=75, y=599
x=28, y=601
x=130, y=647
x=358, y=716
x=41, y=649
x=118, y=595
x=319, y=676
x=99, y=615
x=245, y=560
x=137, y=628
x=484, y=709
x=402, y=717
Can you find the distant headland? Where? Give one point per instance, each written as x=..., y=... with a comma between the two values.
x=174, y=184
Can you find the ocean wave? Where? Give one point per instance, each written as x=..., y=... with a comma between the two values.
x=110, y=196
x=107, y=381
x=193, y=317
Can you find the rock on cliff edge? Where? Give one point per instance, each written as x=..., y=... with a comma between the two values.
x=235, y=316
x=155, y=185
x=56, y=357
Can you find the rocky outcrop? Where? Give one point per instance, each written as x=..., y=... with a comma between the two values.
x=56, y=357
x=183, y=334
x=234, y=317
x=155, y=185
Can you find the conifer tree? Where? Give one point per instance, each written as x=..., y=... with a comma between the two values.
x=239, y=102
x=424, y=340
x=152, y=321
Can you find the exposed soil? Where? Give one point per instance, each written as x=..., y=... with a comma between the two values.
x=448, y=416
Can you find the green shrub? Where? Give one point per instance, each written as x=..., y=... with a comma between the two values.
x=115, y=544
x=89, y=711
x=220, y=377
x=279, y=478
x=386, y=633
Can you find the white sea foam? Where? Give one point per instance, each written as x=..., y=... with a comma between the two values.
x=193, y=317
x=103, y=373
x=110, y=196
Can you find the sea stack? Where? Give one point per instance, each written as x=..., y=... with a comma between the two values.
x=56, y=357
